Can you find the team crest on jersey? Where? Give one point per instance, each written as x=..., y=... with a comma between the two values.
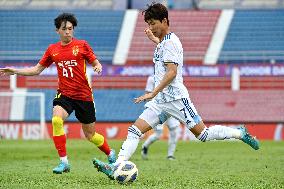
x=75, y=50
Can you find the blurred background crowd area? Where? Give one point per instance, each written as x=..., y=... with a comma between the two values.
x=140, y=4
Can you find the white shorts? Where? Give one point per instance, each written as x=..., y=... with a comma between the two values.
x=182, y=109
x=159, y=128
x=172, y=123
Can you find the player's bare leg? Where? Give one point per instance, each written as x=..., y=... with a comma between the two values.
x=150, y=140
x=99, y=140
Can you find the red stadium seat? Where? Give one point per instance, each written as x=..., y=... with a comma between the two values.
x=194, y=28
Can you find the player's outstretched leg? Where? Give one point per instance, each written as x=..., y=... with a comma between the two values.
x=248, y=139
x=171, y=158
x=112, y=156
x=59, y=139
x=101, y=142
x=219, y=132
x=106, y=168
x=172, y=143
x=158, y=131
x=61, y=168
x=144, y=152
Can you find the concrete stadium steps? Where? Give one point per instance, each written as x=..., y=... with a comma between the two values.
x=194, y=28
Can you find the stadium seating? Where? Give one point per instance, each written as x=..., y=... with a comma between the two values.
x=215, y=4
x=111, y=105
x=260, y=3
x=48, y=4
x=57, y=4
x=117, y=105
x=25, y=34
x=254, y=36
x=195, y=29
x=4, y=4
x=239, y=4
x=242, y=106
x=213, y=105
x=138, y=82
x=5, y=82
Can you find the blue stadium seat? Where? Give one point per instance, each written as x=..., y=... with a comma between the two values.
x=25, y=34
x=117, y=104
x=254, y=36
x=111, y=105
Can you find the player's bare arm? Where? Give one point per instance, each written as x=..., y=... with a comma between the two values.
x=151, y=36
x=97, y=67
x=167, y=79
x=35, y=70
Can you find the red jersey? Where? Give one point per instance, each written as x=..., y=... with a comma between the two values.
x=70, y=61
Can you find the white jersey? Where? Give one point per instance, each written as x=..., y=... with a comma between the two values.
x=169, y=50
x=171, y=122
x=150, y=85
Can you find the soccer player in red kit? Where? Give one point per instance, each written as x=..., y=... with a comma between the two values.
x=74, y=92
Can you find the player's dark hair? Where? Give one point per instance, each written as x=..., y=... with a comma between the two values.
x=156, y=11
x=64, y=17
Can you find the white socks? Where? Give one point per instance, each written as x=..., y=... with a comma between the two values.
x=219, y=132
x=64, y=159
x=172, y=142
x=130, y=144
x=157, y=135
x=154, y=137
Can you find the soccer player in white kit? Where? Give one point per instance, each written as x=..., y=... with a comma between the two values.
x=171, y=96
x=172, y=124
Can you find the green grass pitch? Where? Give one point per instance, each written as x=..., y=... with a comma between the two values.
x=29, y=164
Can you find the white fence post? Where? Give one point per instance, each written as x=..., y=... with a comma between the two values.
x=235, y=79
x=13, y=82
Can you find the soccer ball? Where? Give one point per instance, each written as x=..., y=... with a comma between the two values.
x=125, y=172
